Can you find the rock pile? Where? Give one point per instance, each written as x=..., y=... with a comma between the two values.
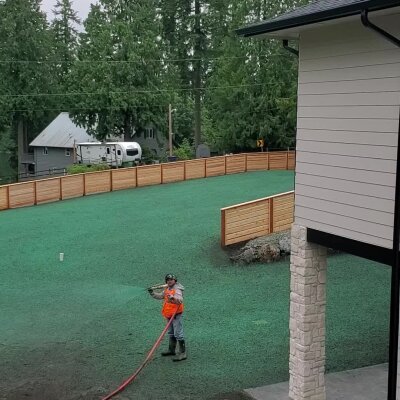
x=264, y=249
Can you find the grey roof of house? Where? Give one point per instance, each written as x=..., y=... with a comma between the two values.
x=62, y=132
x=317, y=11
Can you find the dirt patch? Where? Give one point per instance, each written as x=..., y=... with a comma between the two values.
x=231, y=396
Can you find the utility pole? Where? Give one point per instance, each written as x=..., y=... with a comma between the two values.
x=197, y=73
x=170, y=129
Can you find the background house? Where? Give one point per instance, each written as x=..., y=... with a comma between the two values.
x=346, y=162
x=152, y=139
x=53, y=148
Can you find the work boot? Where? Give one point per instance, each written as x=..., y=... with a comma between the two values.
x=182, y=351
x=171, y=347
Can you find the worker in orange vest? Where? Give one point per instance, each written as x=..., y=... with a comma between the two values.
x=172, y=295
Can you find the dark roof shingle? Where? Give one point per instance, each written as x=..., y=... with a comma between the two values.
x=317, y=11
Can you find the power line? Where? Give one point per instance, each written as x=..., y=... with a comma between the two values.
x=158, y=91
x=68, y=109
x=139, y=61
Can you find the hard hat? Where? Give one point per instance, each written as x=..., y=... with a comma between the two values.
x=171, y=276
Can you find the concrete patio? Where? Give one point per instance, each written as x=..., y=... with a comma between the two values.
x=369, y=383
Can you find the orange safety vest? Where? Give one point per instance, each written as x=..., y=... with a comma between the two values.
x=169, y=308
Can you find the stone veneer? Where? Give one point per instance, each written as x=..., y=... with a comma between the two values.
x=307, y=318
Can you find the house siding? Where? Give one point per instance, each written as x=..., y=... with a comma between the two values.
x=55, y=158
x=348, y=121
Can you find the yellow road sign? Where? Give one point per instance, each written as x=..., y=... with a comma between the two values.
x=260, y=142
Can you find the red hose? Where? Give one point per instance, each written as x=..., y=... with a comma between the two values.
x=151, y=352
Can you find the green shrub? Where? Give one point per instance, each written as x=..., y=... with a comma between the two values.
x=81, y=168
x=184, y=151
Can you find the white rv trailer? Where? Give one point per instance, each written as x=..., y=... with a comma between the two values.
x=111, y=153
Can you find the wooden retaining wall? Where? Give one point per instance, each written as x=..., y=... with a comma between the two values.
x=256, y=218
x=70, y=186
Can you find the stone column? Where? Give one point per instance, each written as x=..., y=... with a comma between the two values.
x=307, y=318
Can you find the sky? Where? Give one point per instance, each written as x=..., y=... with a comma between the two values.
x=81, y=6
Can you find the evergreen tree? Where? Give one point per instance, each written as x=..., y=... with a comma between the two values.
x=65, y=31
x=26, y=74
x=119, y=69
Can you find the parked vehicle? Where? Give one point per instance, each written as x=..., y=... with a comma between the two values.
x=113, y=153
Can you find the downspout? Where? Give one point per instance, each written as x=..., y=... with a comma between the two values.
x=291, y=49
x=394, y=295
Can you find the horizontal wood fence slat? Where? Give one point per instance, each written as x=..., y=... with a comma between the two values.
x=48, y=190
x=71, y=186
x=256, y=218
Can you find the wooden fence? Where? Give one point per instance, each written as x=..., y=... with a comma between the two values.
x=69, y=186
x=256, y=218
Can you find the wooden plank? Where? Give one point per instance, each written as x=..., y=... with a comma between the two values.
x=124, y=178
x=257, y=161
x=250, y=234
x=235, y=164
x=253, y=207
x=72, y=186
x=277, y=160
x=215, y=166
x=47, y=190
x=195, y=169
x=149, y=175
x=236, y=224
x=256, y=218
x=97, y=182
x=271, y=215
x=22, y=194
x=292, y=161
x=173, y=172
x=4, y=203
x=250, y=226
x=223, y=228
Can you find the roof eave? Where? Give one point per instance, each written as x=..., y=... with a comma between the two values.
x=340, y=12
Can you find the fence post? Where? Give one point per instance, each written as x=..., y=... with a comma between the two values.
x=184, y=170
x=8, y=197
x=111, y=180
x=223, y=241
x=161, y=173
x=35, y=193
x=271, y=215
x=205, y=168
x=287, y=159
x=225, y=164
x=84, y=184
x=136, y=174
x=60, y=185
x=245, y=162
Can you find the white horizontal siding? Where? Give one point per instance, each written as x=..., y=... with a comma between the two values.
x=323, y=226
x=348, y=121
x=356, y=212
x=349, y=74
x=353, y=150
x=370, y=203
x=349, y=174
x=349, y=124
x=352, y=86
x=359, y=137
x=350, y=99
x=347, y=186
x=381, y=165
x=380, y=57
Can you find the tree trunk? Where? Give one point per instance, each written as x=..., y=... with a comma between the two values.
x=127, y=128
x=197, y=75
